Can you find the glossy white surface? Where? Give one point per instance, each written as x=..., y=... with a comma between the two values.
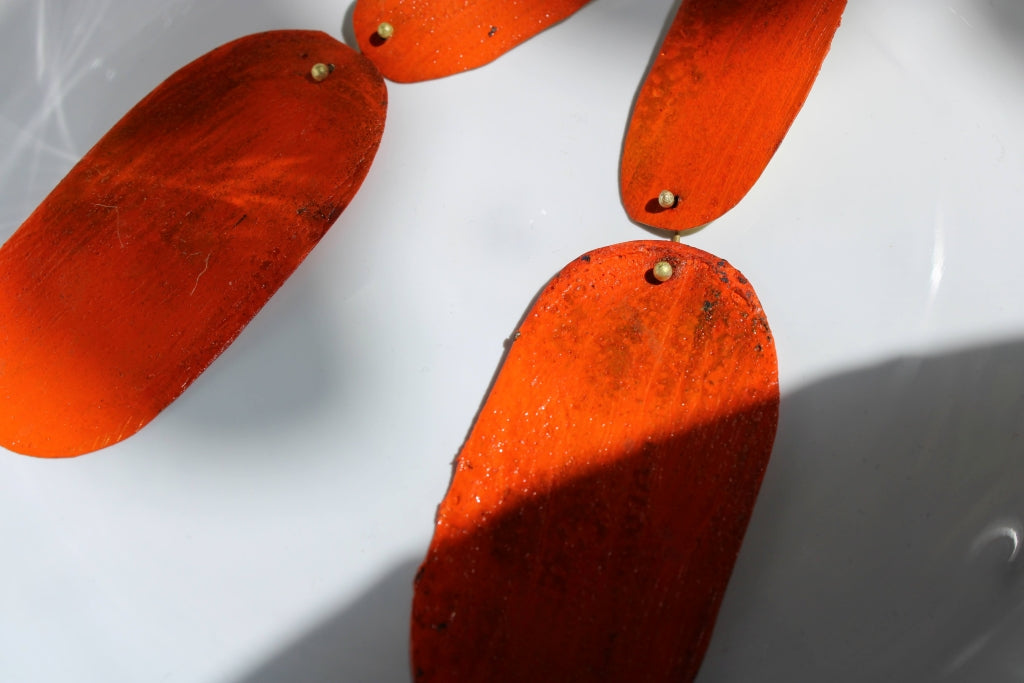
x=266, y=526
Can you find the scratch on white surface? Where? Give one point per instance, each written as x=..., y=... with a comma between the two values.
x=972, y=650
x=58, y=79
x=960, y=16
x=1009, y=529
x=206, y=267
x=16, y=131
x=41, y=41
x=938, y=256
x=59, y=68
x=978, y=645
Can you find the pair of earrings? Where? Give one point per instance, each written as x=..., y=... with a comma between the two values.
x=600, y=500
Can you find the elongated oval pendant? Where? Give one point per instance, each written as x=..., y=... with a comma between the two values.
x=417, y=40
x=161, y=244
x=728, y=81
x=599, y=502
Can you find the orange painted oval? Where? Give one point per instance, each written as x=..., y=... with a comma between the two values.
x=437, y=38
x=599, y=502
x=160, y=245
x=723, y=91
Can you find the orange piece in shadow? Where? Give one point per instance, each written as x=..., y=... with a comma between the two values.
x=160, y=245
x=599, y=502
x=427, y=39
x=727, y=83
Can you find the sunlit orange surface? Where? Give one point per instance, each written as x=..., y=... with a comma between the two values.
x=727, y=83
x=435, y=38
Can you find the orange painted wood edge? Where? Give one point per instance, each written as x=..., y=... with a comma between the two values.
x=599, y=502
x=437, y=38
x=723, y=91
x=159, y=246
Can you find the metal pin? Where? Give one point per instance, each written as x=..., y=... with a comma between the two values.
x=666, y=199
x=662, y=271
x=385, y=30
x=320, y=71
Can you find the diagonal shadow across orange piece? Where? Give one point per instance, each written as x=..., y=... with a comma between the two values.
x=599, y=502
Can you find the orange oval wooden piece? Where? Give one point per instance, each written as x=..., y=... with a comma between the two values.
x=436, y=38
x=599, y=502
x=728, y=81
x=161, y=244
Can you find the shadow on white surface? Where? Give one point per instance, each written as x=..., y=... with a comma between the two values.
x=1005, y=19
x=368, y=641
x=885, y=542
x=348, y=31
x=284, y=367
x=884, y=546
x=881, y=547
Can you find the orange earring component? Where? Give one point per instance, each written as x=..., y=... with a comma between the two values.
x=728, y=81
x=599, y=502
x=160, y=245
x=417, y=40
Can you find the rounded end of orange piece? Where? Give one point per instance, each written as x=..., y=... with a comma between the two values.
x=717, y=103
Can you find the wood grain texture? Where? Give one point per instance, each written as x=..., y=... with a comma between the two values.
x=437, y=38
x=169, y=235
x=727, y=83
x=599, y=502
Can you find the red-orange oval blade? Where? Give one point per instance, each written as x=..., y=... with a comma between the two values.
x=436, y=38
x=161, y=244
x=728, y=81
x=599, y=502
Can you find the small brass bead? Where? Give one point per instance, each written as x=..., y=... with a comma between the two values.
x=662, y=271
x=320, y=71
x=666, y=199
x=385, y=30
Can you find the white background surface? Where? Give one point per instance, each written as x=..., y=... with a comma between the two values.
x=266, y=526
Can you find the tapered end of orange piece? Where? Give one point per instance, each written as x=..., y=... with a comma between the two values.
x=420, y=40
x=728, y=81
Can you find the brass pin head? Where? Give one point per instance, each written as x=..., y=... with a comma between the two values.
x=320, y=71
x=662, y=271
x=666, y=199
x=385, y=30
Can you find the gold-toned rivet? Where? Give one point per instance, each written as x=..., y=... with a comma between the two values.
x=385, y=30
x=320, y=71
x=666, y=199
x=662, y=271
